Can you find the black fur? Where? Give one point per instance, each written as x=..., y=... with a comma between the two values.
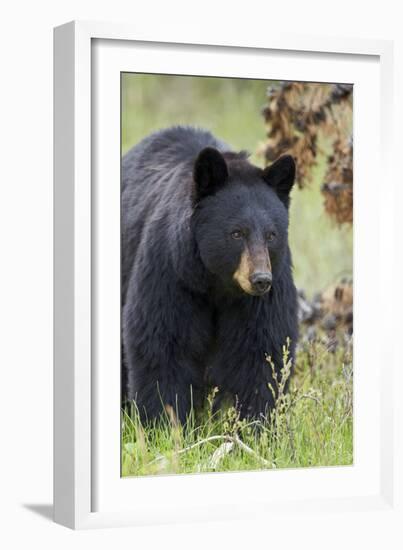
x=186, y=323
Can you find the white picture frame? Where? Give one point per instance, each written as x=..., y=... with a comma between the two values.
x=88, y=491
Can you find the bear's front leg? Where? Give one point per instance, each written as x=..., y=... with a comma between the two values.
x=165, y=334
x=247, y=335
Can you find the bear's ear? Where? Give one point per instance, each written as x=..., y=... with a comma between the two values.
x=281, y=176
x=210, y=172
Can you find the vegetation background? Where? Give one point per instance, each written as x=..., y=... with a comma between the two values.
x=315, y=421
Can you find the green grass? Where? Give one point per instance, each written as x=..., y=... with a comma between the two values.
x=311, y=426
x=314, y=422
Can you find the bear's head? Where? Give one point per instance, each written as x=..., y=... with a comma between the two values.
x=240, y=219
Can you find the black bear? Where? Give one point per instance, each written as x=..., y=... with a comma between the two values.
x=207, y=287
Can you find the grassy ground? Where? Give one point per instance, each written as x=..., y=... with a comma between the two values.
x=313, y=423
x=312, y=426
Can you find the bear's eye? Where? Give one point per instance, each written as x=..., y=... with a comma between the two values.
x=271, y=236
x=236, y=234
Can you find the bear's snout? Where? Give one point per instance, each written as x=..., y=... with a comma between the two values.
x=253, y=274
x=261, y=282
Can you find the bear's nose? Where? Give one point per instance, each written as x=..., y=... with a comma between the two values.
x=261, y=282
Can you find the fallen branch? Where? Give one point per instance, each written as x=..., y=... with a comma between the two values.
x=251, y=452
x=186, y=449
x=220, y=452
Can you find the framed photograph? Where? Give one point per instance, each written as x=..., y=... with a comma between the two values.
x=215, y=205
